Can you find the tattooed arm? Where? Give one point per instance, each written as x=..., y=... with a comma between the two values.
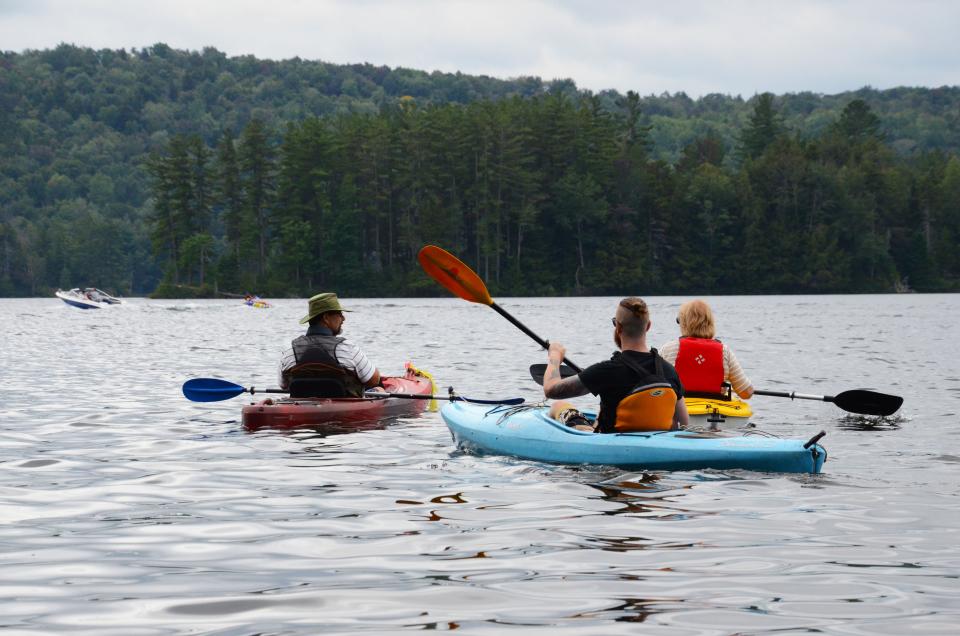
x=554, y=386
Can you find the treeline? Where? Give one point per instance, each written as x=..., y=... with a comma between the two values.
x=78, y=128
x=553, y=195
x=78, y=125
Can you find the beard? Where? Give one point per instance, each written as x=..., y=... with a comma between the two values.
x=616, y=339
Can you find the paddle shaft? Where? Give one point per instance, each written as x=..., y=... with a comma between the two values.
x=522, y=327
x=384, y=395
x=412, y=396
x=253, y=390
x=417, y=396
x=409, y=396
x=794, y=395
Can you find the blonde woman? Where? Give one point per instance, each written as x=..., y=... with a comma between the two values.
x=703, y=362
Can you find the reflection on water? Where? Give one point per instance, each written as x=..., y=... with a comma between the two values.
x=854, y=422
x=125, y=509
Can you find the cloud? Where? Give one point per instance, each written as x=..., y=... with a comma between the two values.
x=696, y=46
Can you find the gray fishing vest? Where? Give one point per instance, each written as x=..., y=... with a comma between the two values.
x=316, y=357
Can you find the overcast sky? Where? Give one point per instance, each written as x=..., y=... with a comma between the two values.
x=697, y=46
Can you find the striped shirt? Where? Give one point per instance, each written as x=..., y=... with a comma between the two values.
x=349, y=356
x=732, y=371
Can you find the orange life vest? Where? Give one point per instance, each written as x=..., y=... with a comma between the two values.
x=650, y=405
x=700, y=365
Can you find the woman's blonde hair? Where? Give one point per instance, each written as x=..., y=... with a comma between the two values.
x=696, y=320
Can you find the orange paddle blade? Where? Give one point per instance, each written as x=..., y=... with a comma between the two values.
x=453, y=274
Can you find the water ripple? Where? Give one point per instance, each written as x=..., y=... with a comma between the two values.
x=126, y=510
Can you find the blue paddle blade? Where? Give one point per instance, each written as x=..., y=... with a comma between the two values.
x=210, y=390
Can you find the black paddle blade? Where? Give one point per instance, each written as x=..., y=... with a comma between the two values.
x=868, y=402
x=504, y=401
x=537, y=371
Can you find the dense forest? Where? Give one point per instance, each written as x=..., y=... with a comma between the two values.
x=178, y=172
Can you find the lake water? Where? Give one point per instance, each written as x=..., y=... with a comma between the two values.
x=126, y=509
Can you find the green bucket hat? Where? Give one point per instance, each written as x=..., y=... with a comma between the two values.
x=322, y=303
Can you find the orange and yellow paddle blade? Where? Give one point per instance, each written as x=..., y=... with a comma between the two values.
x=453, y=274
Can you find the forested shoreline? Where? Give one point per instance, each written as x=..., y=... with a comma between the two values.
x=179, y=173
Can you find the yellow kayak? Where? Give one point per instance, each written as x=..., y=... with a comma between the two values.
x=701, y=409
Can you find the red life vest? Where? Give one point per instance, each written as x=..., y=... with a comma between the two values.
x=700, y=365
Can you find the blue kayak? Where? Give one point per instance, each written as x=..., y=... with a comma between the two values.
x=527, y=432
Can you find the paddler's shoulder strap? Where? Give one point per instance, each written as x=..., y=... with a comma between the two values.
x=657, y=361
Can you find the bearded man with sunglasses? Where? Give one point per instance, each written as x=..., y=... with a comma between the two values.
x=638, y=389
x=322, y=363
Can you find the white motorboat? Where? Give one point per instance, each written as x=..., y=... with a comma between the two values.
x=87, y=298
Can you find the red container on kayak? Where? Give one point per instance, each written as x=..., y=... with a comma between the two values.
x=345, y=413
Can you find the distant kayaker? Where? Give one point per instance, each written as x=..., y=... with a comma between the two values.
x=324, y=358
x=638, y=389
x=703, y=362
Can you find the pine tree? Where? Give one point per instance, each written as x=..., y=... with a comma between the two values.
x=858, y=123
x=764, y=127
x=228, y=195
x=258, y=174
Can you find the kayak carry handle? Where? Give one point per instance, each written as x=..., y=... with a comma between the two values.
x=816, y=438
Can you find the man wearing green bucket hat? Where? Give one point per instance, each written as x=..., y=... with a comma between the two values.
x=322, y=363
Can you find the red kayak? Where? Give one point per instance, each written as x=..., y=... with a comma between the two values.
x=346, y=413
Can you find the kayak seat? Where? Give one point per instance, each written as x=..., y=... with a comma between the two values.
x=647, y=408
x=317, y=388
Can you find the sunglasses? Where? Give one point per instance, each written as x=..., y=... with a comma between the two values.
x=613, y=321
